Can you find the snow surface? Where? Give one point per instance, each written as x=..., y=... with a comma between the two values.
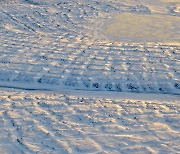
x=144, y=27
x=64, y=122
x=58, y=44
x=66, y=87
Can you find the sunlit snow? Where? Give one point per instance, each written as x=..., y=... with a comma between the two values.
x=89, y=76
x=140, y=27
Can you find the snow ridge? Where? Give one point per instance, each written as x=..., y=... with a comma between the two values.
x=43, y=122
x=56, y=44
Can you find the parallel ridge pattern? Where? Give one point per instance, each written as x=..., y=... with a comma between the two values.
x=54, y=43
x=58, y=123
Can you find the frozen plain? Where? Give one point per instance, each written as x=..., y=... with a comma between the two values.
x=97, y=90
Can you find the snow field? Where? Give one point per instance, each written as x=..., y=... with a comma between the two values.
x=51, y=122
x=57, y=44
x=92, y=93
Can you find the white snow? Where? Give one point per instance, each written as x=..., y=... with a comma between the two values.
x=142, y=28
x=64, y=122
x=80, y=76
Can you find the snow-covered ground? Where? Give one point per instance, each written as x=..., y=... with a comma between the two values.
x=64, y=122
x=106, y=75
x=58, y=44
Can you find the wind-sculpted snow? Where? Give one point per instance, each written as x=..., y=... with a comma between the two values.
x=57, y=44
x=68, y=84
x=60, y=123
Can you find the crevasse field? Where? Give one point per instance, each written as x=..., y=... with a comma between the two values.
x=89, y=76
